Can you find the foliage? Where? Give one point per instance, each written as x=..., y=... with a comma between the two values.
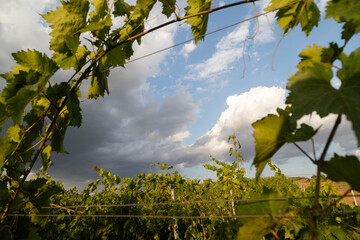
x=310, y=91
x=41, y=112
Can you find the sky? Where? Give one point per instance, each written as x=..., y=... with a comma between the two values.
x=181, y=105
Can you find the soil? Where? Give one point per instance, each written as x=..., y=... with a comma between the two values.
x=341, y=186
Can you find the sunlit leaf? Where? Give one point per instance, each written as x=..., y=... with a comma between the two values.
x=292, y=13
x=198, y=23
x=14, y=133
x=66, y=21
x=312, y=55
x=45, y=156
x=270, y=135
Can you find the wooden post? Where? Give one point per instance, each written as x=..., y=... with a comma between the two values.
x=232, y=202
x=176, y=229
x=355, y=202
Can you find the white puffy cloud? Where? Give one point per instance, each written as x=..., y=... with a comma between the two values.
x=187, y=49
x=228, y=50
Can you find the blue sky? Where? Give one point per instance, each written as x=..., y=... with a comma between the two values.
x=181, y=105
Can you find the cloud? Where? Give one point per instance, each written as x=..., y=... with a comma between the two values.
x=21, y=27
x=187, y=49
x=228, y=50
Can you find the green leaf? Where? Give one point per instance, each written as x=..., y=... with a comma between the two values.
x=331, y=53
x=5, y=149
x=57, y=140
x=73, y=106
x=45, y=156
x=14, y=133
x=304, y=133
x=76, y=61
x=312, y=55
x=345, y=169
x=66, y=21
x=263, y=207
x=121, y=8
x=304, y=12
x=101, y=7
x=198, y=23
x=168, y=7
x=36, y=61
x=345, y=11
x=98, y=85
x=270, y=135
x=311, y=90
x=256, y=229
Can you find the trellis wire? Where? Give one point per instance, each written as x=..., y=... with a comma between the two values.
x=195, y=202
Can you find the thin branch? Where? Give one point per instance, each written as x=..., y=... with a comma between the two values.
x=302, y=150
x=337, y=200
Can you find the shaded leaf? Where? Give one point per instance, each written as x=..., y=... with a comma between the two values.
x=345, y=11
x=5, y=149
x=345, y=169
x=256, y=229
x=311, y=90
x=263, y=207
x=168, y=7
x=121, y=8
x=304, y=133
x=98, y=85
x=73, y=106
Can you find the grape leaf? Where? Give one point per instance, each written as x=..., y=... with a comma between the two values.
x=57, y=140
x=76, y=61
x=345, y=11
x=304, y=133
x=99, y=84
x=121, y=8
x=311, y=55
x=45, y=156
x=73, y=106
x=311, y=90
x=198, y=23
x=270, y=133
x=304, y=12
x=256, y=229
x=14, y=133
x=343, y=169
x=331, y=53
x=5, y=148
x=66, y=21
x=36, y=61
x=4, y=115
x=101, y=7
x=168, y=7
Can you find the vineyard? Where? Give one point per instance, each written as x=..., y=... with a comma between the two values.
x=229, y=207
x=37, y=112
